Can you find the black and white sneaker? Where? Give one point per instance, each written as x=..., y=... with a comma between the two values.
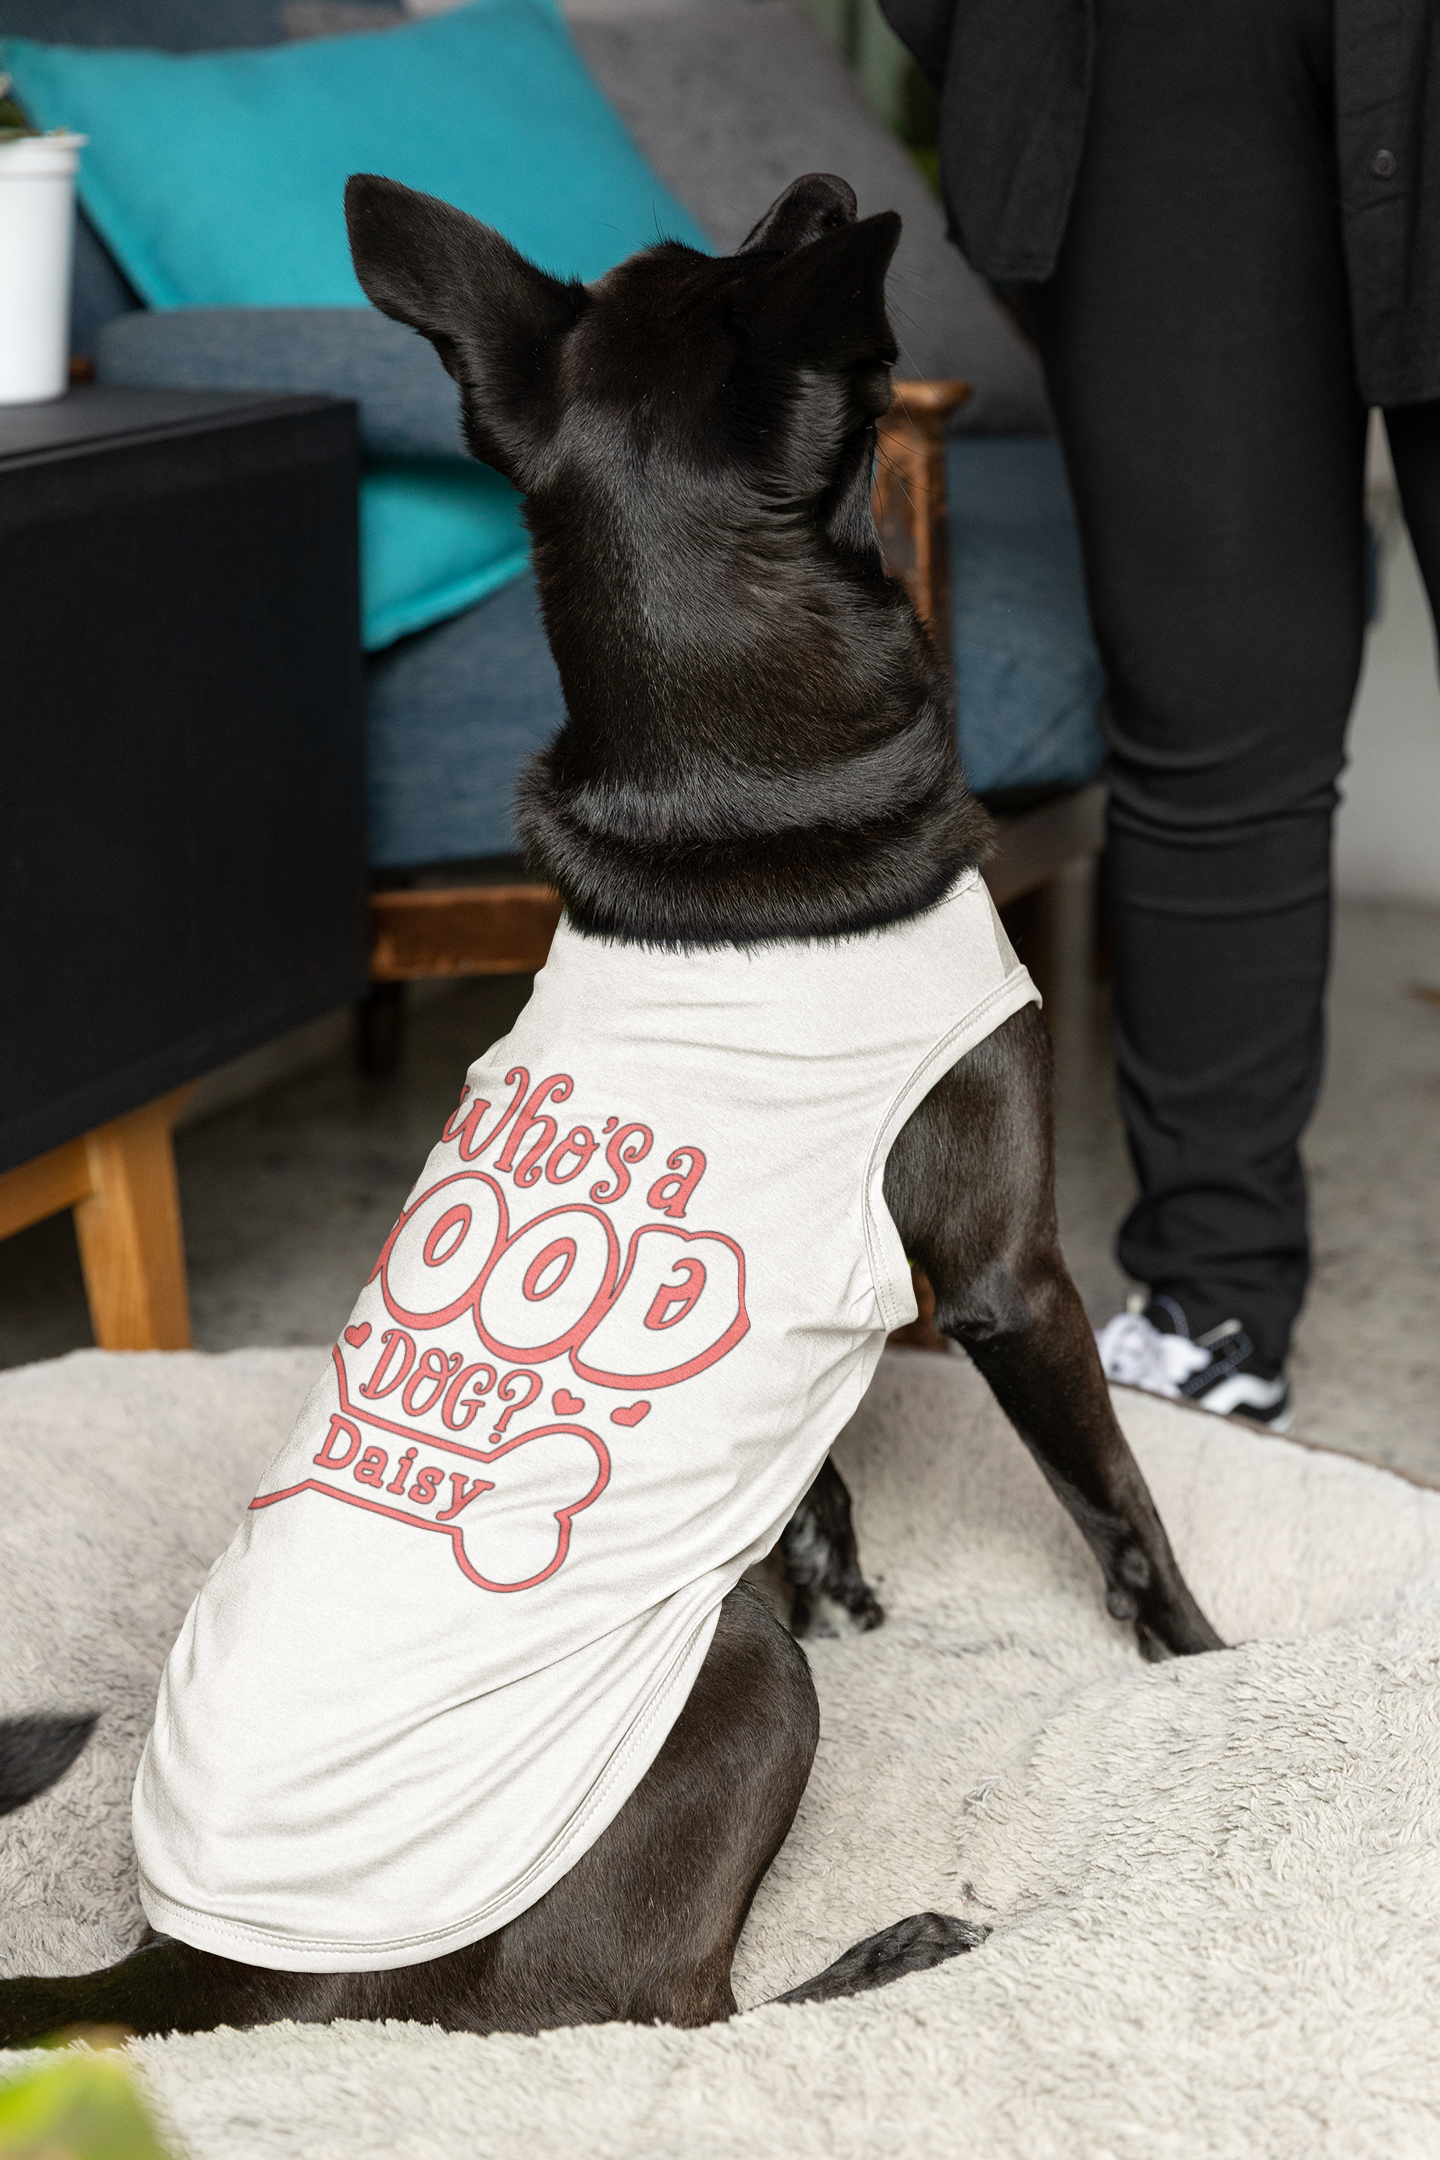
x=1148, y=1346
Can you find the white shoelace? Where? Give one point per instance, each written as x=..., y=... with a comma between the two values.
x=1137, y=1354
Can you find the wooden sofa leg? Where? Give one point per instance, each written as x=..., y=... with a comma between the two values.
x=132, y=1248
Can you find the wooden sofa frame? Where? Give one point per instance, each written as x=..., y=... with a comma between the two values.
x=120, y=1182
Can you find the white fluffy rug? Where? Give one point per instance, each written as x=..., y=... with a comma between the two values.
x=1214, y=1885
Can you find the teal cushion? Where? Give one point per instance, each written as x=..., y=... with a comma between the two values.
x=436, y=535
x=217, y=179
x=1029, y=684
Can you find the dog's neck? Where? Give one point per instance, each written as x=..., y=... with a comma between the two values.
x=759, y=743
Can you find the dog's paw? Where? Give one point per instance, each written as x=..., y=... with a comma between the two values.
x=909, y=1946
x=1167, y=1631
x=1157, y=1648
x=1168, y=1622
x=817, y=1616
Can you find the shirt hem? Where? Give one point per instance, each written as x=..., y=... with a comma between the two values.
x=627, y=1766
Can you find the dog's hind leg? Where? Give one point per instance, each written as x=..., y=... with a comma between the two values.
x=970, y=1185
x=909, y=1946
x=822, y=1563
x=644, y=1927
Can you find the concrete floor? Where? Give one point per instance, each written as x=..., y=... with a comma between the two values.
x=287, y=1197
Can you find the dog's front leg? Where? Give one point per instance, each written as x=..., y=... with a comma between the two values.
x=970, y=1185
x=822, y=1563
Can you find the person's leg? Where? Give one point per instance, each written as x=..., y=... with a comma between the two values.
x=1197, y=346
x=1414, y=432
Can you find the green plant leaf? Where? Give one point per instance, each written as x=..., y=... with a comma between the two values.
x=82, y=2106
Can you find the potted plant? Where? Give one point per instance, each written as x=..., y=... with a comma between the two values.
x=37, y=233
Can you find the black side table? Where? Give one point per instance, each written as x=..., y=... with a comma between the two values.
x=182, y=840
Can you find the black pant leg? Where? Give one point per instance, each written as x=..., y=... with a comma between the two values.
x=1197, y=345
x=1414, y=432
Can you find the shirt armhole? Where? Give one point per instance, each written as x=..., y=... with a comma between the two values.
x=884, y=1250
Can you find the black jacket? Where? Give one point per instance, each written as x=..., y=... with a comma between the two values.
x=1014, y=79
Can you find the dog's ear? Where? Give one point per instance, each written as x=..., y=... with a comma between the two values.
x=494, y=318
x=816, y=204
x=818, y=347
x=824, y=304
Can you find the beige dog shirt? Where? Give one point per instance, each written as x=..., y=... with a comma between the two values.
x=641, y=1284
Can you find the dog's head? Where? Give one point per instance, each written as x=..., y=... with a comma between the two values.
x=758, y=741
x=756, y=378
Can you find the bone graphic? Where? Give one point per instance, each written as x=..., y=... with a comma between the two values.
x=508, y=1510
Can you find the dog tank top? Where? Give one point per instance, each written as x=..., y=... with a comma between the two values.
x=641, y=1284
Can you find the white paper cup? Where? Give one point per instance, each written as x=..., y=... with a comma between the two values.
x=37, y=242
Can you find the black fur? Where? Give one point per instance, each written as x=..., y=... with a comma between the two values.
x=759, y=742
x=34, y=1752
x=759, y=746
x=822, y=1564
x=970, y=1184
x=643, y=1927
x=912, y=1945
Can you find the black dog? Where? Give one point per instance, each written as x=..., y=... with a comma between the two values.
x=759, y=747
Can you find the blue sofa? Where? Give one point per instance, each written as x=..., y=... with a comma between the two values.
x=728, y=99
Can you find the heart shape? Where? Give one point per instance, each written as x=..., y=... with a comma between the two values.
x=631, y=1414
x=566, y=1404
x=357, y=1337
